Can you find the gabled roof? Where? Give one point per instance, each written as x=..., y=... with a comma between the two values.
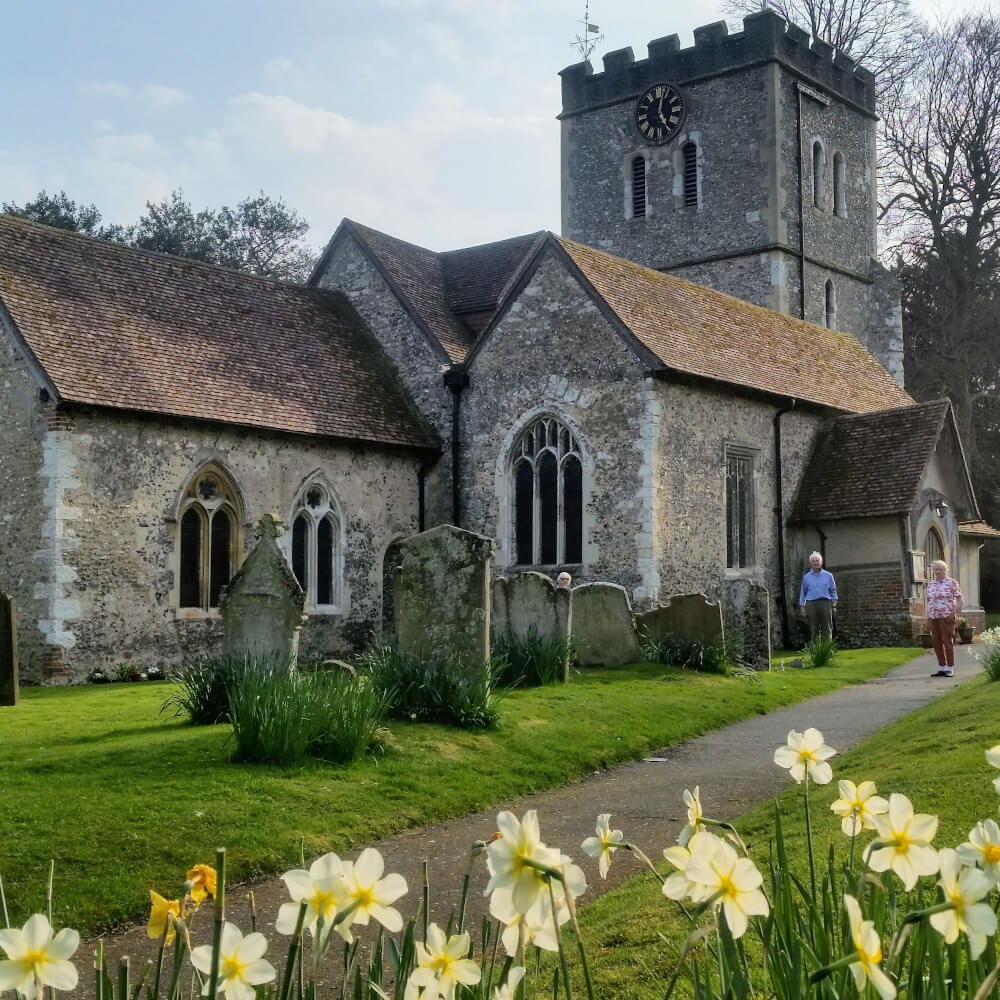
x=114, y=327
x=477, y=277
x=849, y=476
x=977, y=529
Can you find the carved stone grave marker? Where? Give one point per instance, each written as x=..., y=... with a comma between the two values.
x=688, y=616
x=531, y=602
x=603, y=626
x=9, y=682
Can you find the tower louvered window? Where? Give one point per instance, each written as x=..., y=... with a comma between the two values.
x=690, y=154
x=639, y=188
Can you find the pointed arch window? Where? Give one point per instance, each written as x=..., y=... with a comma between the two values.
x=819, y=175
x=839, y=185
x=547, y=487
x=933, y=549
x=317, y=548
x=210, y=538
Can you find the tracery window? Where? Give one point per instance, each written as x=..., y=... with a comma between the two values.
x=210, y=538
x=317, y=546
x=547, y=487
x=740, y=509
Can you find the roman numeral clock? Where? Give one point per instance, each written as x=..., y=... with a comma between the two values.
x=660, y=113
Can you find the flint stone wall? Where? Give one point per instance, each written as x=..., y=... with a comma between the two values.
x=603, y=626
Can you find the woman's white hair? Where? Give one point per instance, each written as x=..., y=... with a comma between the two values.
x=941, y=563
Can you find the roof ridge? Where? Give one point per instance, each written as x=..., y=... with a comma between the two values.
x=942, y=403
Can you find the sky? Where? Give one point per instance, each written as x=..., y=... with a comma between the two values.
x=432, y=120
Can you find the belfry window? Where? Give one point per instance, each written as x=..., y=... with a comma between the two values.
x=638, y=187
x=830, y=306
x=839, y=186
x=740, y=509
x=547, y=488
x=317, y=547
x=819, y=175
x=689, y=152
x=210, y=539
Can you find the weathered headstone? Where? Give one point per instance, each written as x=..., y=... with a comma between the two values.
x=263, y=605
x=688, y=616
x=441, y=594
x=748, y=610
x=9, y=682
x=531, y=602
x=603, y=626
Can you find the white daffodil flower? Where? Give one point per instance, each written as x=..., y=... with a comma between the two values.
x=993, y=759
x=806, y=753
x=677, y=885
x=734, y=882
x=537, y=926
x=857, y=805
x=324, y=889
x=509, y=989
x=964, y=888
x=242, y=966
x=514, y=856
x=869, y=953
x=904, y=842
x=692, y=800
x=36, y=958
x=442, y=964
x=604, y=844
x=373, y=894
x=983, y=849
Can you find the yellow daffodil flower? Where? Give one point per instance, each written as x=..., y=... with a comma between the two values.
x=806, y=753
x=372, y=894
x=692, y=800
x=242, y=965
x=324, y=891
x=36, y=958
x=983, y=849
x=964, y=888
x=904, y=842
x=993, y=758
x=442, y=963
x=869, y=953
x=159, y=916
x=201, y=882
x=730, y=881
x=512, y=857
x=509, y=989
x=604, y=844
x=857, y=805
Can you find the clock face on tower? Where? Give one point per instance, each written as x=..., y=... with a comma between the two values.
x=659, y=113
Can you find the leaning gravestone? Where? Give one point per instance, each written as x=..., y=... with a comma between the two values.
x=603, y=626
x=748, y=609
x=531, y=602
x=8, y=651
x=441, y=594
x=689, y=616
x=262, y=608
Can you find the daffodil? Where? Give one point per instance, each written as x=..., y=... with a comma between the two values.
x=242, y=966
x=36, y=958
x=806, y=753
x=677, y=885
x=201, y=882
x=160, y=912
x=993, y=758
x=726, y=879
x=509, y=989
x=904, y=842
x=604, y=844
x=692, y=800
x=442, y=964
x=516, y=859
x=983, y=849
x=857, y=805
x=324, y=891
x=371, y=894
x=537, y=926
x=964, y=888
x=868, y=950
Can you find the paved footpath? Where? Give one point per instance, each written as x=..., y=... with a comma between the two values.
x=733, y=766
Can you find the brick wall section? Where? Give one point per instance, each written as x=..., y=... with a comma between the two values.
x=871, y=607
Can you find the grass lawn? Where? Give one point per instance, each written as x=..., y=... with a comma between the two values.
x=934, y=756
x=123, y=798
x=992, y=621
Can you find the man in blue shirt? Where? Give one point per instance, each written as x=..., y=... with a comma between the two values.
x=818, y=598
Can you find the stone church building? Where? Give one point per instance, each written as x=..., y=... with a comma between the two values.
x=694, y=386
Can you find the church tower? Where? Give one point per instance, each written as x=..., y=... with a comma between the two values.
x=745, y=162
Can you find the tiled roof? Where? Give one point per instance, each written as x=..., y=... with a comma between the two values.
x=850, y=474
x=116, y=327
x=978, y=528
x=699, y=331
x=476, y=277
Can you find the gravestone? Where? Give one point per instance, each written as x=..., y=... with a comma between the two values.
x=748, y=609
x=688, y=616
x=262, y=608
x=603, y=626
x=8, y=651
x=531, y=602
x=441, y=594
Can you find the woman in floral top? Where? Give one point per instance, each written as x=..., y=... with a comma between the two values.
x=944, y=598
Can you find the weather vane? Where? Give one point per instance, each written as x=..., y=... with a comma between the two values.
x=591, y=37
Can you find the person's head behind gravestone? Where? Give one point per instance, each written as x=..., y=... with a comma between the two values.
x=564, y=581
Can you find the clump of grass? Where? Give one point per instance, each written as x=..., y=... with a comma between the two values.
x=990, y=656
x=201, y=693
x=532, y=660
x=690, y=654
x=423, y=686
x=282, y=717
x=820, y=652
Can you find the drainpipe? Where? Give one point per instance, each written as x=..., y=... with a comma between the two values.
x=456, y=379
x=779, y=513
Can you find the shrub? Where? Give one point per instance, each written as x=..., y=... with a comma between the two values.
x=990, y=656
x=282, y=717
x=531, y=660
x=201, y=692
x=690, y=654
x=420, y=685
x=820, y=652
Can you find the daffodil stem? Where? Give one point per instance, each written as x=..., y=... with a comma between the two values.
x=642, y=857
x=571, y=906
x=180, y=946
x=828, y=970
x=137, y=989
x=159, y=957
x=219, y=920
x=426, y=897
x=123, y=978
x=251, y=899
x=3, y=904
x=99, y=967
x=463, y=899
x=809, y=841
x=559, y=944
x=293, y=950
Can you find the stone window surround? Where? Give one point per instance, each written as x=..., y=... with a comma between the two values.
x=504, y=489
x=627, y=173
x=839, y=185
x=334, y=508
x=236, y=501
x=740, y=449
x=677, y=159
x=818, y=162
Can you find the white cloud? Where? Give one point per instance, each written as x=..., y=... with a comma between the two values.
x=150, y=95
x=158, y=95
x=107, y=88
